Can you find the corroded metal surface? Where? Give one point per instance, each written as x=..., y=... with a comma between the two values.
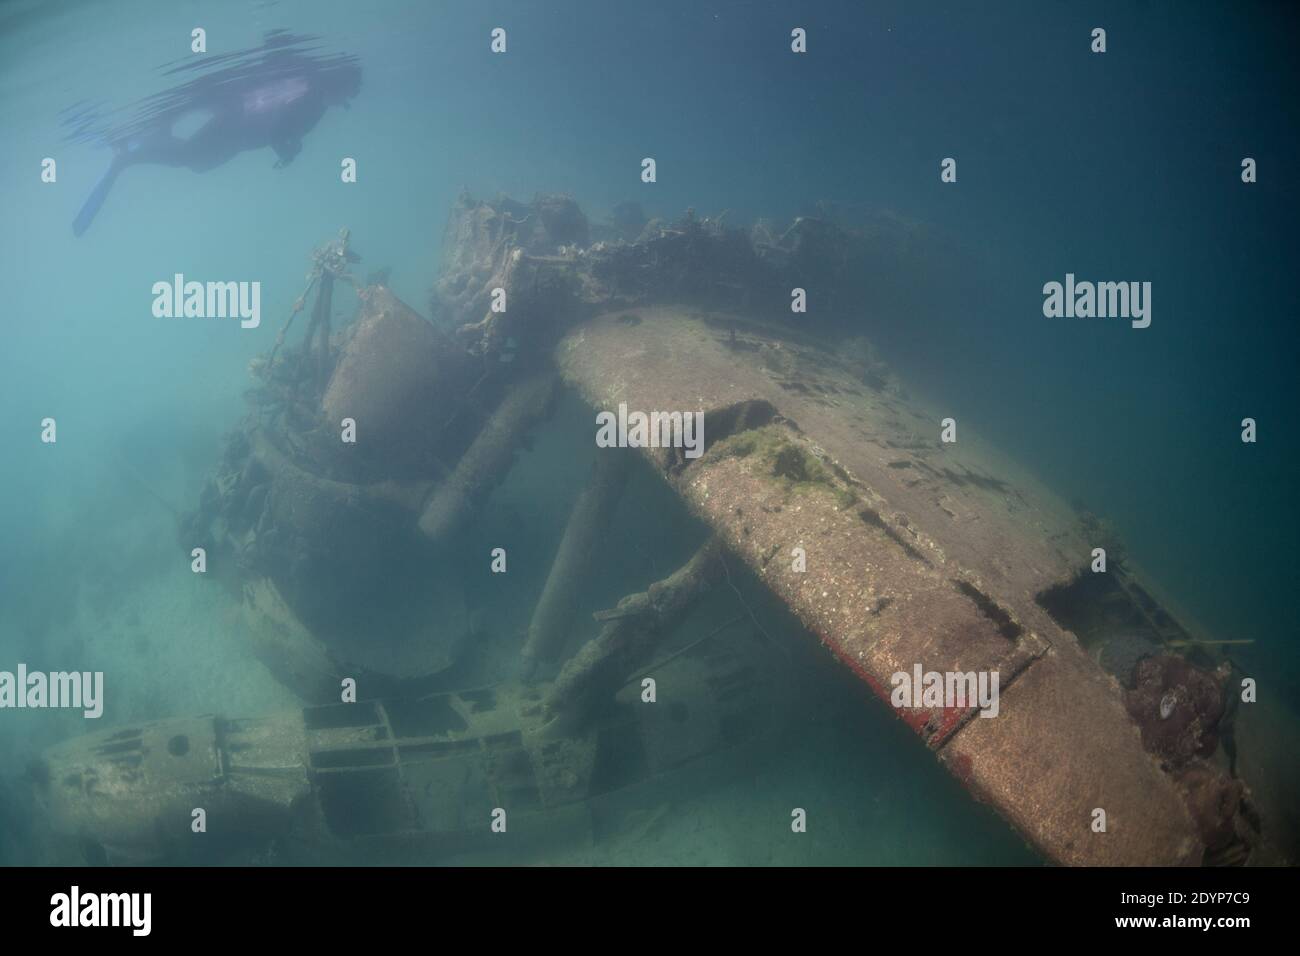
x=918, y=552
x=134, y=790
x=408, y=779
x=1063, y=746
x=395, y=376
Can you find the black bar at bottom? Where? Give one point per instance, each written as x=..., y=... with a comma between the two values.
x=371, y=906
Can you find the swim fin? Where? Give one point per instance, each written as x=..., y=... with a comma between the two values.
x=97, y=197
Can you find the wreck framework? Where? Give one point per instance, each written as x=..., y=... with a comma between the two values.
x=919, y=552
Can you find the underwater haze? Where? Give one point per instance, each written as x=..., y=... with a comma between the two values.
x=1119, y=166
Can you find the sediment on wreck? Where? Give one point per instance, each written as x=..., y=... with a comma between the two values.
x=529, y=252
x=556, y=269
x=942, y=553
x=916, y=553
x=629, y=636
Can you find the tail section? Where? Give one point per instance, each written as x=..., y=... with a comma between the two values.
x=97, y=197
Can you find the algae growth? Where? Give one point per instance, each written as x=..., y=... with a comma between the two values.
x=774, y=454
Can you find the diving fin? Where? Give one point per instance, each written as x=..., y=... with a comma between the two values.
x=97, y=197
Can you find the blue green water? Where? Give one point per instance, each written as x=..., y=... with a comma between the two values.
x=1121, y=166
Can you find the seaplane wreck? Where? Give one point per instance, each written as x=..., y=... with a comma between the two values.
x=819, y=472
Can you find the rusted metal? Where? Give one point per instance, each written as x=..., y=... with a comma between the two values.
x=910, y=553
x=918, y=552
x=628, y=638
x=388, y=780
